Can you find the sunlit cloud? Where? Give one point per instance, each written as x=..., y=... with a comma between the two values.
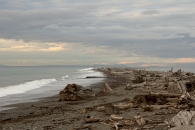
x=154, y=64
x=21, y=46
x=118, y=31
x=125, y=63
x=185, y=60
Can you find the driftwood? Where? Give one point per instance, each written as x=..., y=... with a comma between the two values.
x=138, y=85
x=178, y=87
x=183, y=118
x=111, y=109
x=159, y=107
x=115, y=117
x=149, y=99
x=101, y=108
x=91, y=120
x=121, y=106
x=172, y=95
x=106, y=88
x=128, y=87
x=116, y=126
x=140, y=120
x=83, y=127
x=137, y=79
x=148, y=108
x=190, y=127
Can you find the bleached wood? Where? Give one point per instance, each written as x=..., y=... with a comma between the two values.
x=183, y=118
x=106, y=88
x=178, y=87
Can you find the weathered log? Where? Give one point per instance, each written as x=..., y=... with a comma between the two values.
x=128, y=87
x=171, y=95
x=137, y=79
x=190, y=127
x=106, y=88
x=91, y=120
x=148, y=108
x=138, y=85
x=121, y=106
x=178, y=87
x=83, y=127
x=149, y=99
x=159, y=107
x=140, y=120
x=115, y=117
x=183, y=118
x=101, y=108
x=111, y=109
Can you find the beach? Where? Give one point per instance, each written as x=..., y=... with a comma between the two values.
x=95, y=112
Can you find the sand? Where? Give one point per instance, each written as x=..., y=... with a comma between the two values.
x=50, y=113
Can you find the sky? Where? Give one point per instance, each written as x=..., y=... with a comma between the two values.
x=81, y=32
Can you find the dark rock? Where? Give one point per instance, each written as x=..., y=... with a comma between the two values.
x=74, y=92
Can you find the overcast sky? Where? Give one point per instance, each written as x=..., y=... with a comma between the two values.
x=66, y=32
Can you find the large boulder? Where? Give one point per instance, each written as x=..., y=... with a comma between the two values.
x=74, y=92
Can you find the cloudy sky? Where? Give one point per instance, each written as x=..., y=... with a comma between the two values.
x=66, y=32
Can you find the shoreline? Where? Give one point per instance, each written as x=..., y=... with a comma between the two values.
x=95, y=87
x=50, y=113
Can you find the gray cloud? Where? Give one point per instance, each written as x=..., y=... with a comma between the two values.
x=150, y=12
x=118, y=25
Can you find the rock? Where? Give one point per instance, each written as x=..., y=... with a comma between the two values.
x=74, y=92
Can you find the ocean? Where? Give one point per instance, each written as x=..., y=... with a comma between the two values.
x=31, y=83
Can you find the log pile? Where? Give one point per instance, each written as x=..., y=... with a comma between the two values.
x=167, y=93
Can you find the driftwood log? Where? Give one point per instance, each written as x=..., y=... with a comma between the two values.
x=140, y=120
x=122, y=106
x=115, y=117
x=91, y=120
x=110, y=109
x=178, y=87
x=190, y=127
x=106, y=88
x=183, y=118
x=171, y=95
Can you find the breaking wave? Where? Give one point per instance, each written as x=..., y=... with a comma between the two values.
x=16, y=89
x=86, y=70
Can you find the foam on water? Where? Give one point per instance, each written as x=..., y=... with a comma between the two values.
x=64, y=77
x=16, y=89
x=45, y=82
x=86, y=70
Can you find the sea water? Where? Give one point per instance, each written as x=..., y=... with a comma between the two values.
x=25, y=84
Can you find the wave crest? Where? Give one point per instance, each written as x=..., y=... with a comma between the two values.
x=16, y=89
